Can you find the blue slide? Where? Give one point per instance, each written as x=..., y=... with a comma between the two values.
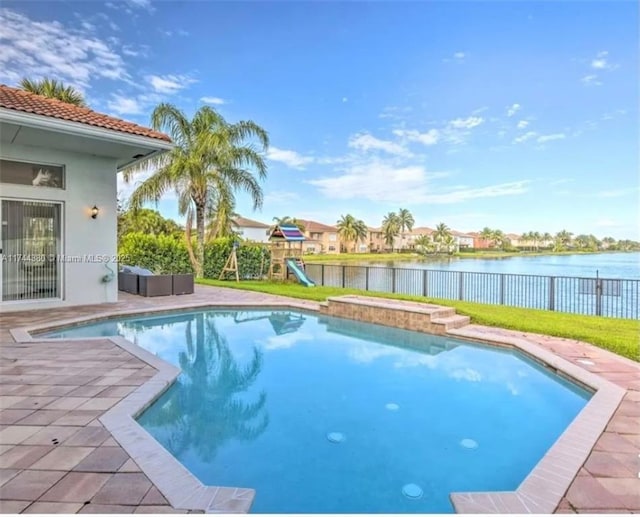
x=300, y=274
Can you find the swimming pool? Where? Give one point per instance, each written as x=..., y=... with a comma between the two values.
x=325, y=415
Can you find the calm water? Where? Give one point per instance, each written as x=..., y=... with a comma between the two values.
x=329, y=415
x=607, y=265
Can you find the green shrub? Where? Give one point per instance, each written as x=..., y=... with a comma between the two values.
x=164, y=254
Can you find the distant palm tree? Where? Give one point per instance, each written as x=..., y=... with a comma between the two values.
x=390, y=228
x=487, y=235
x=449, y=243
x=562, y=240
x=210, y=161
x=536, y=237
x=424, y=244
x=500, y=239
x=351, y=230
x=279, y=221
x=442, y=233
x=54, y=89
x=547, y=238
x=405, y=220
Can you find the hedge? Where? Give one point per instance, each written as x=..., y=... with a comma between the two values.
x=164, y=254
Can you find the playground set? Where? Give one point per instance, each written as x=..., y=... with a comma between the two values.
x=285, y=244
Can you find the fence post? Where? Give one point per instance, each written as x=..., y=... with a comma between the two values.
x=552, y=293
x=393, y=279
x=461, y=285
x=366, y=278
x=598, y=297
x=322, y=275
x=425, y=279
x=502, y=277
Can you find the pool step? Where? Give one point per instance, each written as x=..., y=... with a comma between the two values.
x=450, y=322
x=423, y=317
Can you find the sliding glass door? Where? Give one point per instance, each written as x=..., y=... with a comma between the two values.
x=31, y=240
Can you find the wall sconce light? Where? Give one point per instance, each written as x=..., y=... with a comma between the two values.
x=94, y=212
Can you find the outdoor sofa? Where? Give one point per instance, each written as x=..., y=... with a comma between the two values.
x=141, y=281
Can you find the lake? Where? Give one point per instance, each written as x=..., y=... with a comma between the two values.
x=606, y=265
x=565, y=283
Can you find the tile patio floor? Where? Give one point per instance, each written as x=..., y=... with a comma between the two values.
x=56, y=457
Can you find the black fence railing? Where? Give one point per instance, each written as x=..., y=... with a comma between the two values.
x=614, y=298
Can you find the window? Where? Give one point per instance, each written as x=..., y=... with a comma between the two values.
x=32, y=174
x=332, y=248
x=332, y=237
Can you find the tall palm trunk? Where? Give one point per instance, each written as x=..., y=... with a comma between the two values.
x=199, y=266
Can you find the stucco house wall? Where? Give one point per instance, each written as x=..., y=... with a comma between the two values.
x=253, y=234
x=86, y=242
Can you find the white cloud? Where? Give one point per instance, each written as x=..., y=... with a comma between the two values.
x=124, y=105
x=513, y=109
x=618, y=192
x=367, y=142
x=281, y=197
x=430, y=137
x=39, y=49
x=600, y=62
x=523, y=138
x=548, y=138
x=459, y=55
x=142, y=4
x=345, y=99
x=522, y=124
x=591, y=80
x=169, y=84
x=384, y=181
x=289, y=158
x=466, y=123
x=213, y=100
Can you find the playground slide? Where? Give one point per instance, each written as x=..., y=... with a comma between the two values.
x=300, y=274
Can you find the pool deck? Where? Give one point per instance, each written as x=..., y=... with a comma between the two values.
x=66, y=426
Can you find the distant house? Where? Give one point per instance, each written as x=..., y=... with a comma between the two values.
x=478, y=242
x=321, y=238
x=58, y=190
x=375, y=240
x=463, y=240
x=251, y=230
x=515, y=240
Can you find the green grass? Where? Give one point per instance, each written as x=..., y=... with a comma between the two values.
x=617, y=335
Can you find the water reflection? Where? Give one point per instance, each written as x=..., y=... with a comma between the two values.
x=209, y=405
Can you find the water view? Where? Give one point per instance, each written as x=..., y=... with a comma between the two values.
x=605, y=265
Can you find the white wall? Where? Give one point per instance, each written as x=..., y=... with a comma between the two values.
x=254, y=234
x=89, y=181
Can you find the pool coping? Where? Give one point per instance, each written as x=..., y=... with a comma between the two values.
x=540, y=492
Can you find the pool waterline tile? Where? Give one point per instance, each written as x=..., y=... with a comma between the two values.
x=579, y=437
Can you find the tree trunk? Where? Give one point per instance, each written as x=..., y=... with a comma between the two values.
x=199, y=241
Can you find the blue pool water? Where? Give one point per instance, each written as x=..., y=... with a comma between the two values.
x=326, y=415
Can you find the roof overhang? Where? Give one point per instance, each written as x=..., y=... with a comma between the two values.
x=36, y=130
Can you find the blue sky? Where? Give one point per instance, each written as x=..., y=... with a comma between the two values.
x=513, y=115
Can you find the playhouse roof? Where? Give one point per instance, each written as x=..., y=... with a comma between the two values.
x=287, y=232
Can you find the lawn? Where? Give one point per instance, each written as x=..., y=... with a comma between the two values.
x=617, y=335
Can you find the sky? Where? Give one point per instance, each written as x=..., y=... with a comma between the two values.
x=515, y=115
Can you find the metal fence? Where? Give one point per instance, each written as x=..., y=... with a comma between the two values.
x=614, y=298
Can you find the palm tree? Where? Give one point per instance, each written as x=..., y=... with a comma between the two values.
x=424, y=244
x=536, y=237
x=222, y=220
x=390, y=228
x=562, y=240
x=442, y=233
x=487, y=235
x=405, y=220
x=500, y=239
x=547, y=238
x=351, y=230
x=449, y=243
x=279, y=221
x=209, y=162
x=54, y=89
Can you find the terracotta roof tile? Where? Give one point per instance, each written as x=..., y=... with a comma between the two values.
x=316, y=227
x=27, y=102
x=249, y=223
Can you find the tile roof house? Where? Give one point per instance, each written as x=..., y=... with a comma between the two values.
x=321, y=238
x=252, y=230
x=58, y=187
